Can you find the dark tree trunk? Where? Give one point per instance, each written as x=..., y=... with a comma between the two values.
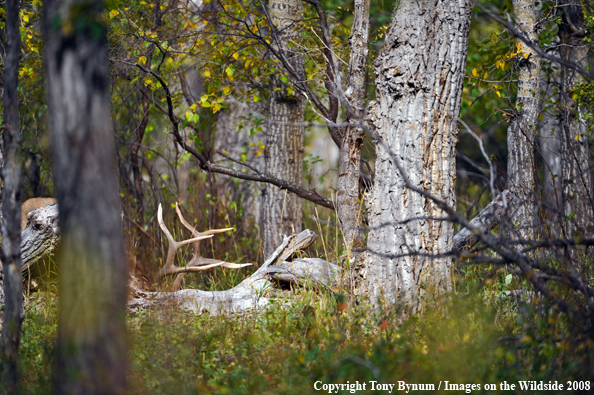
x=11, y=207
x=575, y=144
x=92, y=345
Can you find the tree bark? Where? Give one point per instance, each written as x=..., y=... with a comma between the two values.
x=419, y=88
x=11, y=207
x=549, y=135
x=347, y=196
x=522, y=130
x=575, y=147
x=283, y=155
x=91, y=349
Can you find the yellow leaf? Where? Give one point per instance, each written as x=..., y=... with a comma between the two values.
x=474, y=72
x=193, y=106
x=188, y=116
x=526, y=55
x=256, y=99
x=25, y=17
x=498, y=94
x=235, y=56
x=226, y=90
x=142, y=60
x=207, y=74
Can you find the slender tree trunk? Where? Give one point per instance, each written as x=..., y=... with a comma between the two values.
x=283, y=155
x=347, y=196
x=11, y=207
x=575, y=152
x=522, y=130
x=92, y=345
x=419, y=89
x=549, y=133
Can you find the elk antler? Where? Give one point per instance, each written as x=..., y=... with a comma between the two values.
x=197, y=263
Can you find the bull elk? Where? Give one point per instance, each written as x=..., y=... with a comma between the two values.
x=197, y=263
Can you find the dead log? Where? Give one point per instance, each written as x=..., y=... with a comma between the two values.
x=483, y=222
x=251, y=293
x=41, y=235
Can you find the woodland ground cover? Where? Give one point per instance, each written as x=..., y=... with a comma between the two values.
x=481, y=335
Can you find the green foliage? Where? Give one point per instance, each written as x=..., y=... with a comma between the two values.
x=485, y=337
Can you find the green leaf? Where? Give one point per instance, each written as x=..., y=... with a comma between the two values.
x=570, y=216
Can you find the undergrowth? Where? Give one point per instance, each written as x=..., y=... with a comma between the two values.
x=476, y=338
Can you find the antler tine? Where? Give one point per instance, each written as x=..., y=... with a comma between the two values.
x=163, y=227
x=169, y=267
x=193, y=229
x=189, y=241
x=198, y=263
x=184, y=222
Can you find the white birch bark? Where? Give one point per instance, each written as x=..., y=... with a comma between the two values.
x=283, y=155
x=522, y=130
x=419, y=86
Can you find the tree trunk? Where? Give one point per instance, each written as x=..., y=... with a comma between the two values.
x=575, y=151
x=419, y=88
x=283, y=155
x=91, y=349
x=520, y=134
x=347, y=196
x=11, y=207
x=550, y=134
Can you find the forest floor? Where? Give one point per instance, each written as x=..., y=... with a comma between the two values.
x=478, y=338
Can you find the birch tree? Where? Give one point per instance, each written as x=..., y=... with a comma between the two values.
x=91, y=348
x=11, y=207
x=419, y=71
x=281, y=211
x=522, y=130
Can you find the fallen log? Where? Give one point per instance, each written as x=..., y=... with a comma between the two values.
x=483, y=222
x=251, y=292
x=41, y=235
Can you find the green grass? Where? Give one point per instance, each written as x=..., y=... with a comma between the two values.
x=324, y=337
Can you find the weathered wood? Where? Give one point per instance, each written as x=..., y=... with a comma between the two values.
x=41, y=235
x=484, y=221
x=300, y=270
x=251, y=292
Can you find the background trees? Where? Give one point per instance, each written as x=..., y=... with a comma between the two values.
x=180, y=68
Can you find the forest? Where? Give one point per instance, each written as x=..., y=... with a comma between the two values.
x=292, y=197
